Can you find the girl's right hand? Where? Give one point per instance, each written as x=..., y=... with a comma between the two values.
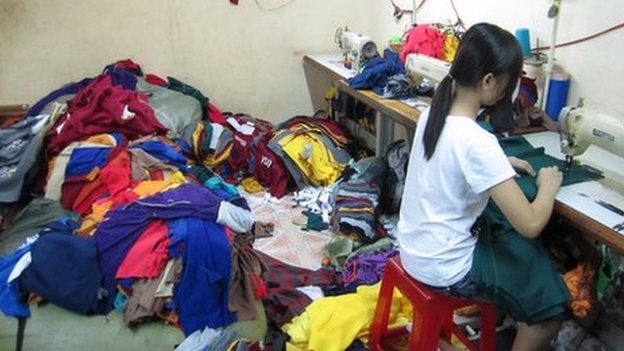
x=549, y=178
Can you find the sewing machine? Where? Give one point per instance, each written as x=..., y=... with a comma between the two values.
x=357, y=49
x=581, y=127
x=420, y=66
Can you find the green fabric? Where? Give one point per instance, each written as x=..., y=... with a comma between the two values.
x=338, y=250
x=30, y=221
x=178, y=85
x=315, y=221
x=516, y=272
x=178, y=112
x=383, y=244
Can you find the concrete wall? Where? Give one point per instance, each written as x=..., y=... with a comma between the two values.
x=244, y=59
x=595, y=66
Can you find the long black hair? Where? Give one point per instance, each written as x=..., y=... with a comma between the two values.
x=485, y=48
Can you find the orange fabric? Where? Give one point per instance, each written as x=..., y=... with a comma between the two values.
x=580, y=282
x=100, y=208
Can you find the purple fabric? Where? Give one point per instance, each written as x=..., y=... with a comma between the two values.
x=366, y=268
x=117, y=234
x=71, y=88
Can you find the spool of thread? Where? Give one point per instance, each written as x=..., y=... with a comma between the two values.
x=522, y=34
x=557, y=93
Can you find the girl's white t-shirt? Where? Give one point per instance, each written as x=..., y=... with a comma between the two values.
x=444, y=196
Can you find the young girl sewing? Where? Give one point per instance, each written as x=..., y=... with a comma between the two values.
x=456, y=166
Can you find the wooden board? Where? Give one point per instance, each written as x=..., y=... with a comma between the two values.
x=590, y=227
x=394, y=109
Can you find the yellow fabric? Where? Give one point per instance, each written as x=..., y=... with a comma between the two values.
x=143, y=189
x=340, y=140
x=212, y=162
x=196, y=137
x=251, y=185
x=332, y=323
x=312, y=157
x=104, y=139
x=451, y=43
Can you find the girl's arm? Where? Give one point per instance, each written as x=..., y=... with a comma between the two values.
x=528, y=218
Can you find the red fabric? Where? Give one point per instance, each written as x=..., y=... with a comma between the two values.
x=129, y=65
x=260, y=289
x=215, y=115
x=99, y=108
x=270, y=170
x=332, y=128
x=242, y=145
x=81, y=192
x=423, y=40
x=148, y=256
x=156, y=80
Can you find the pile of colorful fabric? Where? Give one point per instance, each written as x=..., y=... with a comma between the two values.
x=313, y=150
x=357, y=198
x=430, y=41
x=130, y=191
x=129, y=219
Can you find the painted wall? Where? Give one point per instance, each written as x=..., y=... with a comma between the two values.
x=244, y=59
x=596, y=66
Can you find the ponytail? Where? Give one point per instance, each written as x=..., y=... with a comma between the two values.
x=485, y=48
x=440, y=107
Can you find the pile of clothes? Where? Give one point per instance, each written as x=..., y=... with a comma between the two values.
x=127, y=218
x=357, y=199
x=313, y=150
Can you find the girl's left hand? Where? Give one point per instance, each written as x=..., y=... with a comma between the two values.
x=521, y=166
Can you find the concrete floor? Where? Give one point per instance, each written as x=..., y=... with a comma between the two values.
x=51, y=328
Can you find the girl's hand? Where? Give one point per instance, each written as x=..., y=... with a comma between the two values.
x=521, y=166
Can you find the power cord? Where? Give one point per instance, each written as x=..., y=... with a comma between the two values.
x=580, y=40
x=278, y=7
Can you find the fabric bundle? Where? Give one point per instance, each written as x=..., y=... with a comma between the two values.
x=425, y=40
x=377, y=72
x=354, y=212
x=312, y=149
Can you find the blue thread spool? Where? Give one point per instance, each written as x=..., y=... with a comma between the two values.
x=557, y=94
x=522, y=34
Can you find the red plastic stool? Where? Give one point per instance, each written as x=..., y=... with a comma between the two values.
x=432, y=316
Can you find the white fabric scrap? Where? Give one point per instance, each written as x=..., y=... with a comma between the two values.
x=20, y=266
x=312, y=291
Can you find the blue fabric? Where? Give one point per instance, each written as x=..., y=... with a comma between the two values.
x=121, y=76
x=71, y=88
x=217, y=183
x=201, y=296
x=116, y=235
x=64, y=270
x=377, y=72
x=10, y=302
x=164, y=152
x=84, y=160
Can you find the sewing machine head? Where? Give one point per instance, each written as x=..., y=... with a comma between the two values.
x=357, y=49
x=420, y=66
x=581, y=127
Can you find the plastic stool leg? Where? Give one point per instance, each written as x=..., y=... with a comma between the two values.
x=426, y=334
x=379, y=326
x=446, y=328
x=488, y=328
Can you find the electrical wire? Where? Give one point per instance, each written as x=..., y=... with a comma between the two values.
x=460, y=22
x=278, y=7
x=580, y=40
